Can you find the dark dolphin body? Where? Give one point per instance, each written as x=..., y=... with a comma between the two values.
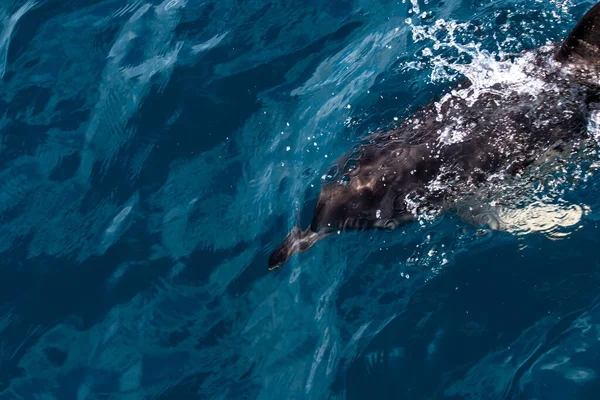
x=459, y=143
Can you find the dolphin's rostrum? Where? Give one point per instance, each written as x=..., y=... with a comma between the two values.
x=443, y=155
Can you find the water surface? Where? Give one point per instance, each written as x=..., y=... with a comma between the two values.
x=154, y=153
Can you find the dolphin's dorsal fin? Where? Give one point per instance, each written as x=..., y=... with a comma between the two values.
x=584, y=39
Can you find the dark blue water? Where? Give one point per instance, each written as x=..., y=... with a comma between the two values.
x=153, y=154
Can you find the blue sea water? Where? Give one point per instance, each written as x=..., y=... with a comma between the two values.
x=154, y=153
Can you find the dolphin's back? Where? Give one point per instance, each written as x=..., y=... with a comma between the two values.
x=584, y=40
x=455, y=150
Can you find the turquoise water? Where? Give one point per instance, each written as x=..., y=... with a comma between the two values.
x=154, y=153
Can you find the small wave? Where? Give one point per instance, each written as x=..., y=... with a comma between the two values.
x=5, y=35
x=209, y=44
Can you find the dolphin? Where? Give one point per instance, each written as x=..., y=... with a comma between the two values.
x=450, y=154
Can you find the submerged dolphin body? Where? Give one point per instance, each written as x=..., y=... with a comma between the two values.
x=444, y=156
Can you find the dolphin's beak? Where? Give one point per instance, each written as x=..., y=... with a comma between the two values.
x=296, y=241
x=287, y=249
x=274, y=262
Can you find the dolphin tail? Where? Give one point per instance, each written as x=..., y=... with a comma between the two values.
x=584, y=39
x=297, y=241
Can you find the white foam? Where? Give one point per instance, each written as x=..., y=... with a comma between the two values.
x=450, y=135
x=415, y=6
x=484, y=71
x=593, y=125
